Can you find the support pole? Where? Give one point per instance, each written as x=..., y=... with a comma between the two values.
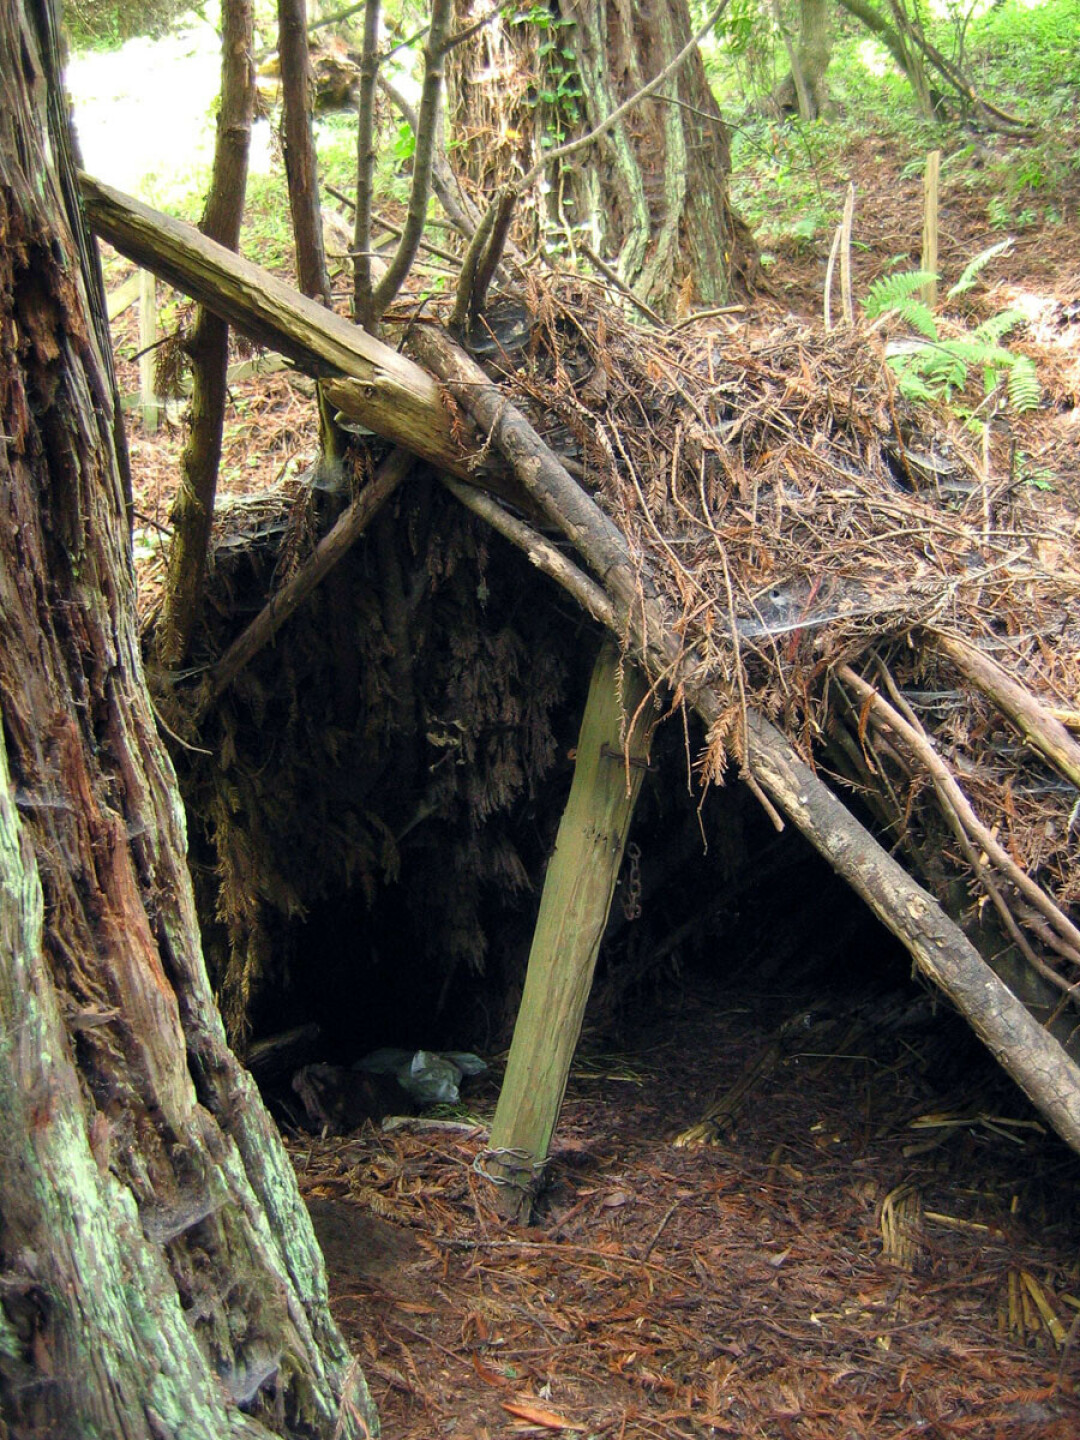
x=148, y=334
x=573, y=915
x=931, y=185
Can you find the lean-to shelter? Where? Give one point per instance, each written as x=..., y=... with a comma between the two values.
x=876, y=629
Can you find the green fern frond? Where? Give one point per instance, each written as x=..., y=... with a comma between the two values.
x=912, y=386
x=999, y=325
x=919, y=316
x=1025, y=392
x=974, y=267
x=889, y=292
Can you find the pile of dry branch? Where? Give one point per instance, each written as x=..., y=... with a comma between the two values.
x=873, y=579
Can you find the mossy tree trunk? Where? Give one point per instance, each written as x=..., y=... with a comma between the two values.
x=160, y=1274
x=652, y=195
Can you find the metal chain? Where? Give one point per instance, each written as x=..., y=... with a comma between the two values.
x=632, y=896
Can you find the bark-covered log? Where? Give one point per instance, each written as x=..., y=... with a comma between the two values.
x=159, y=1272
x=391, y=394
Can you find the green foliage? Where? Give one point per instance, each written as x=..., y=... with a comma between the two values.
x=938, y=367
x=974, y=268
x=1023, y=56
x=106, y=24
x=898, y=293
x=558, y=84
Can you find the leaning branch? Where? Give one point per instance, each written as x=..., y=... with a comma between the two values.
x=443, y=180
x=336, y=543
x=1039, y=726
x=388, y=392
x=426, y=133
x=363, y=275
x=208, y=347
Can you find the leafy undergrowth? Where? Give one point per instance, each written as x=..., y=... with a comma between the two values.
x=879, y=1244
x=789, y=177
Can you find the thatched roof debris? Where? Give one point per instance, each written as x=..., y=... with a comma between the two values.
x=810, y=534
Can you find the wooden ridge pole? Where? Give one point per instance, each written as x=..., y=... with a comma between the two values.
x=573, y=915
x=371, y=381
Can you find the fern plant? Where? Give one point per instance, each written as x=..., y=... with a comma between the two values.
x=937, y=368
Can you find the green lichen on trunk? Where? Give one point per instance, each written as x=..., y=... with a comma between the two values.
x=159, y=1269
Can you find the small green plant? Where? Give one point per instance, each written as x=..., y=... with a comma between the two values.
x=937, y=367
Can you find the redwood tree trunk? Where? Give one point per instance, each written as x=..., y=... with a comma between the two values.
x=652, y=195
x=159, y=1272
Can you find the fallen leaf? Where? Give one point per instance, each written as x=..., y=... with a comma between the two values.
x=535, y=1416
x=486, y=1373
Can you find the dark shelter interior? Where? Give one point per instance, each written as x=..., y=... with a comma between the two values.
x=371, y=832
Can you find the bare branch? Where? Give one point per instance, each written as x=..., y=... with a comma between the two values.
x=482, y=258
x=426, y=131
x=542, y=553
x=443, y=180
x=363, y=281
x=350, y=525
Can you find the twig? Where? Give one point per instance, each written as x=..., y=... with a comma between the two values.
x=392, y=229
x=426, y=128
x=706, y=314
x=923, y=748
x=847, y=298
x=620, y=284
x=651, y=1246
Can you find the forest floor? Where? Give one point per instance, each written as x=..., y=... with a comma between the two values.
x=876, y=1246
x=880, y=1242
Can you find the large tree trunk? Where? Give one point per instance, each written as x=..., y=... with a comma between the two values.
x=652, y=196
x=160, y=1274
x=811, y=58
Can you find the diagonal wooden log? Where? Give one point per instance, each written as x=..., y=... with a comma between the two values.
x=372, y=382
x=1039, y=726
x=350, y=525
x=940, y=949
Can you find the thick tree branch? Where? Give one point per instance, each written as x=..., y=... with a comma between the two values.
x=443, y=180
x=942, y=776
x=208, y=344
x=540, y=552
x=382, y=389
x=1038, y=725
x=301, y=167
